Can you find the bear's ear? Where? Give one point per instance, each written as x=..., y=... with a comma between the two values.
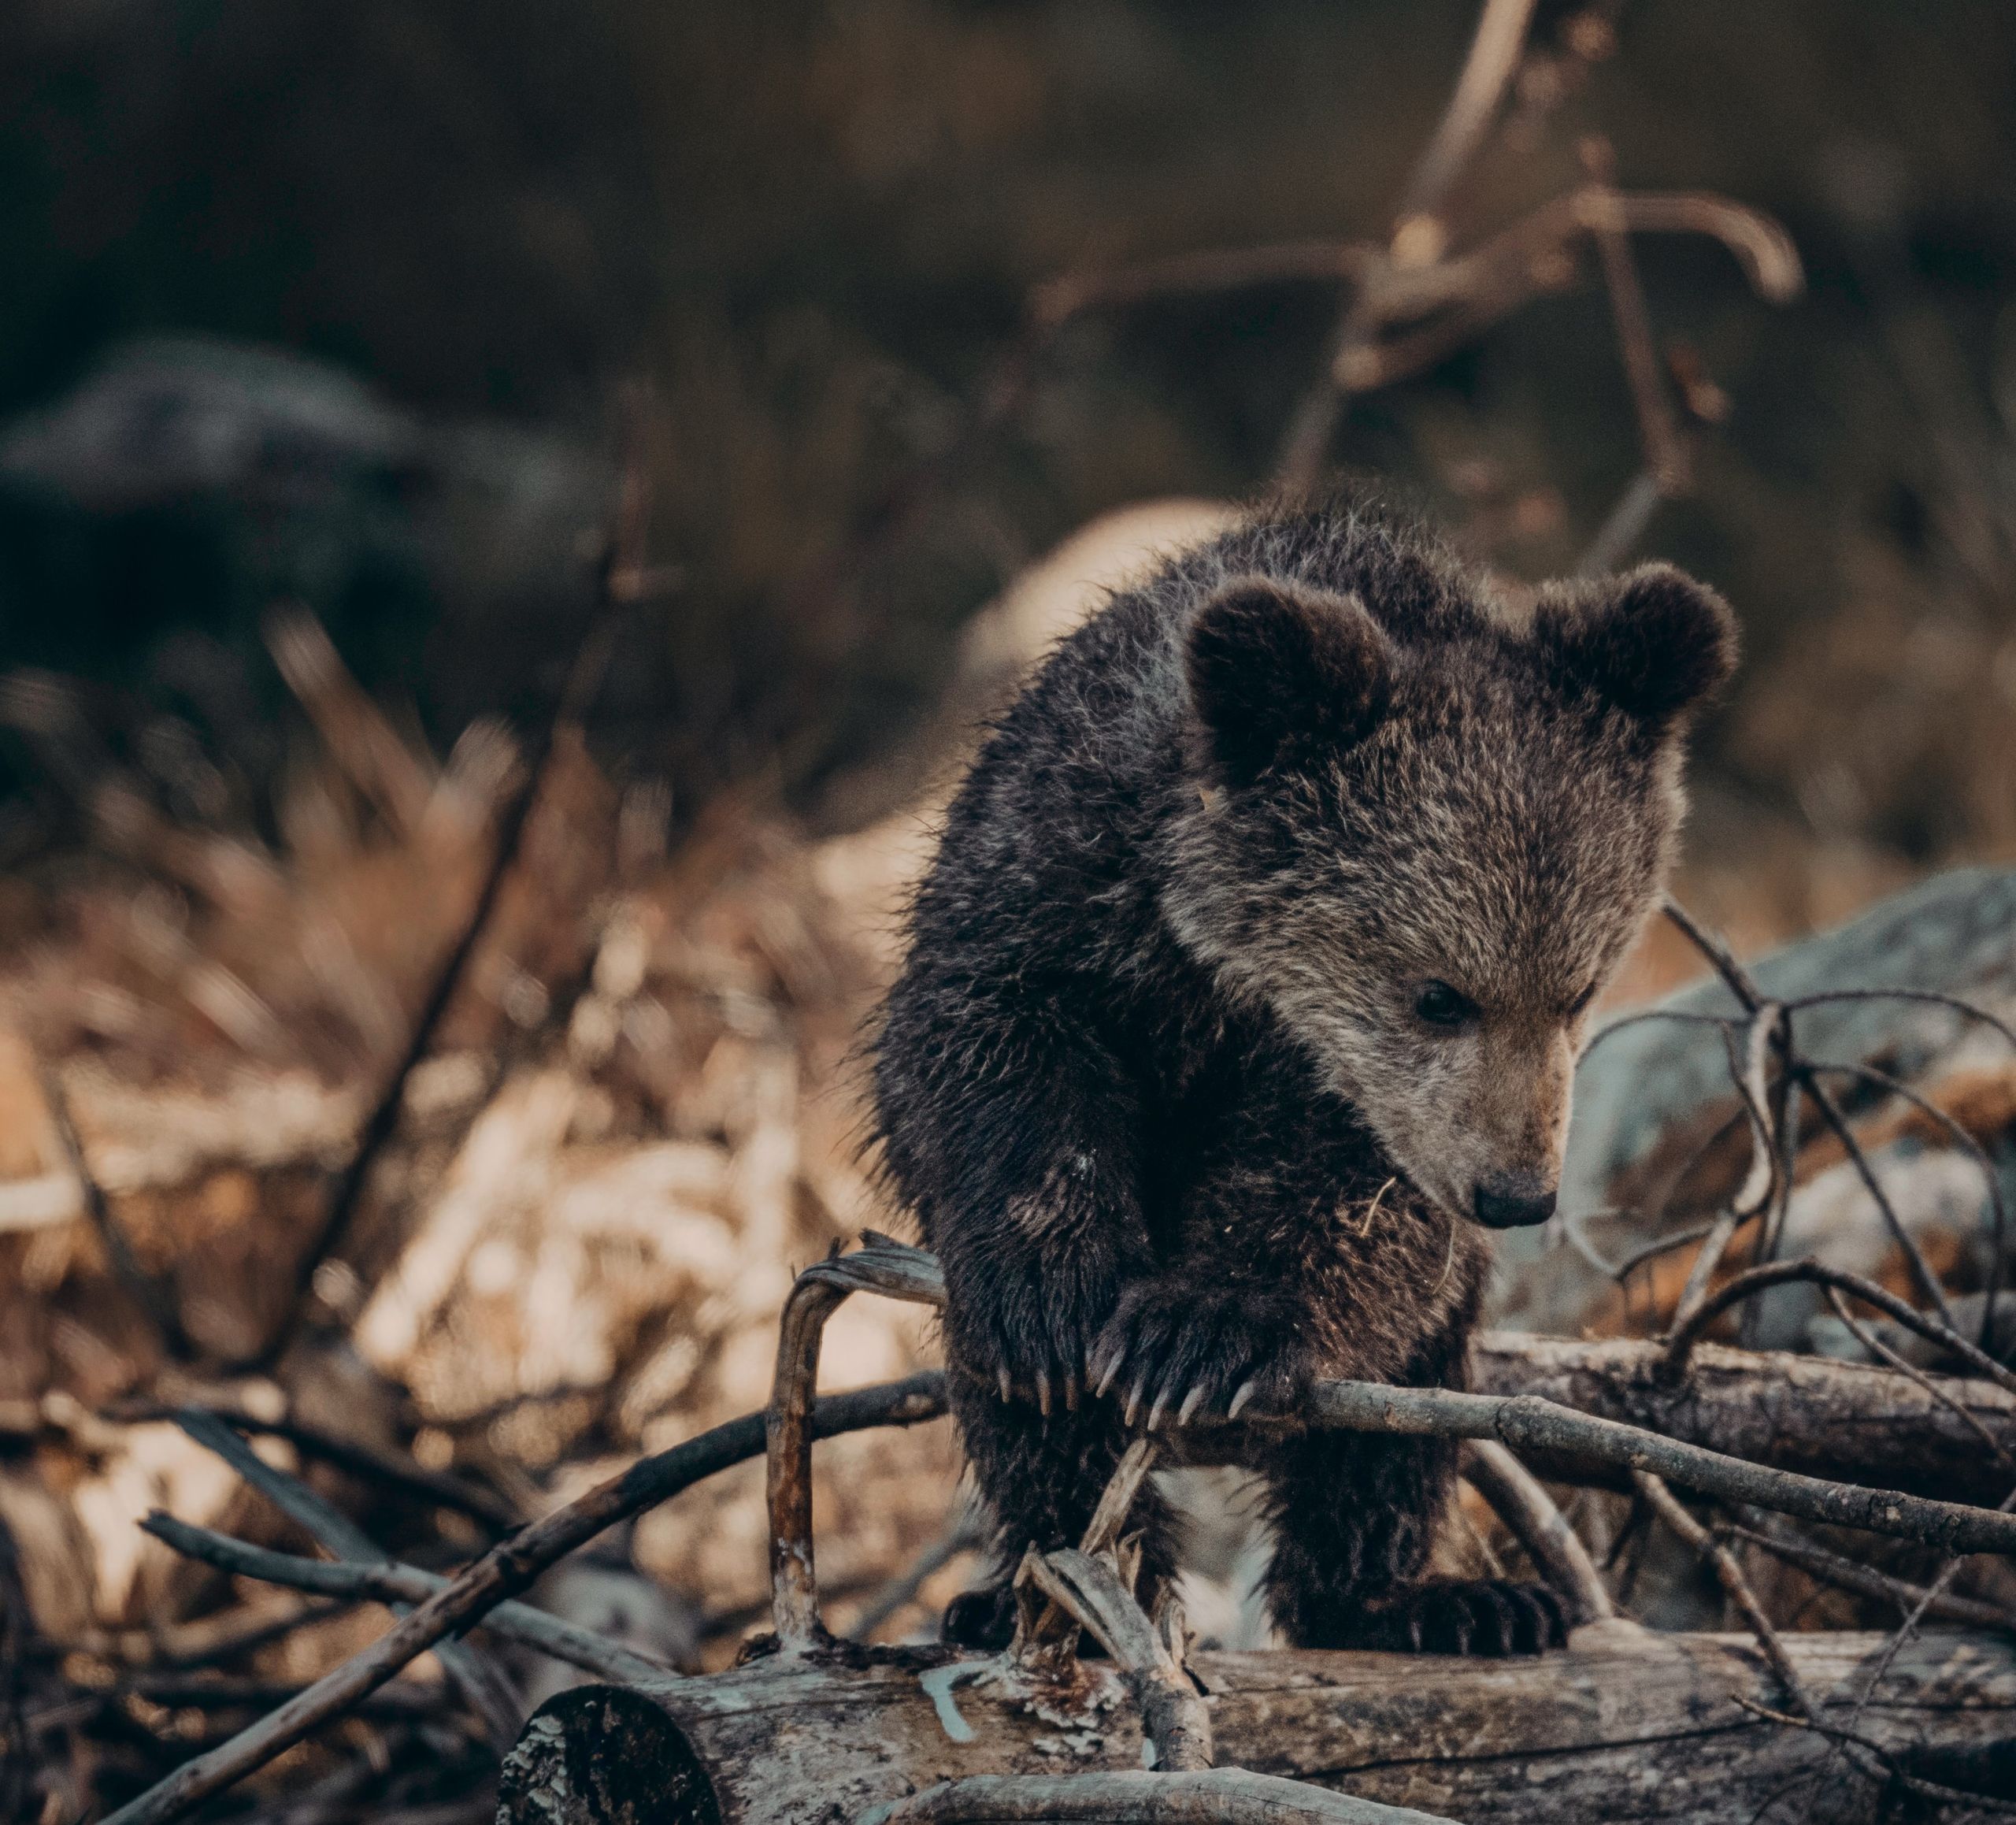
x=1278, y=672
x=1654, y=642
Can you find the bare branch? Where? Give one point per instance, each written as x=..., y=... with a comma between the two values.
x=1729, y=1575
x=1853, y=1422
x=1519, y=1499
x=1883, y=1352
x=885, y=1266
x=1766, y=1034
x=1851, y=1575
x=1623, y=526
x=1830, y=1112
x=1756, y=1279
x=154, y=1294
x=439, y=1487
x=1488, y=71
x=1667, y=459
x=1719, y=956
x=392, y=1583
x=1058, y=300
x=1967, y=1144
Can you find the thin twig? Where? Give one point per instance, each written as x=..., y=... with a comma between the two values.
x=1877, y=1348
x=1735, y=977
x=1931, y=997
x=1729, y=1575
x=1942, y=1580
x=155, y=1293
x=1741, y=985
x=1844, y=1740
x=1962, y=1139
x=1487, y=73
x=1665, y=453
x=1830, y=1113
x=392, y=1583
x=437, y=1488
x=1622, y=527
x=1755, y=1280
x=1664, y=1246
x=1851, y=1574
x=1748, y=1073
x=1773, y=1232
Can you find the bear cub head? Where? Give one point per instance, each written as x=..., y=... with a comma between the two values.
x=1424, y=837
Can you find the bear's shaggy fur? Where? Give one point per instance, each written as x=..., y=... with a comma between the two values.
x=1248, y=981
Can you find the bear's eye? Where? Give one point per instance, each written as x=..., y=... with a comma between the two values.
x=1579, y=1006
x=1440, y=1005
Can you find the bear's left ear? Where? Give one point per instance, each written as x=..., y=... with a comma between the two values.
x=1654, y=642
x=1279, y=673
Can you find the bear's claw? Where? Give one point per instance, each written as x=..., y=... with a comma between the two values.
x=1199, y=1353
x=1488, y=1616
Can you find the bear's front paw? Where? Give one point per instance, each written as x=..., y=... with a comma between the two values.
x=1486, y=1615
x=1028, y=1330
x=1207, y=1351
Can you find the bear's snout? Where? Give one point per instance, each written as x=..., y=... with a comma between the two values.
x=1513, y=1201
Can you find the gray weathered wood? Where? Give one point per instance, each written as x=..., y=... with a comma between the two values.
x=1623, y=1726
x=1955, y=934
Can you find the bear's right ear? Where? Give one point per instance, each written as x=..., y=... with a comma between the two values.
x=1278, y=672
x=1654, y=642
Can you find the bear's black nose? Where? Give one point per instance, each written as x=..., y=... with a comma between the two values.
x=1513, y=1201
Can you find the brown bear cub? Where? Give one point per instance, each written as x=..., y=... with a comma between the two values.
x=1244, y=995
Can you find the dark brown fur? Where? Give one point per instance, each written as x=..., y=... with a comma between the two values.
x=1158, y=1080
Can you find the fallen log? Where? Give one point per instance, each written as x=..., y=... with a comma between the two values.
x=1847, y=1421
x=1623, y=1725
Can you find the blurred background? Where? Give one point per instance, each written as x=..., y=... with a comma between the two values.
x=508, y=514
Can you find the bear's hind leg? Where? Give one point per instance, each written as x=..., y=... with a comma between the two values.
x=1354, y=1521
x=1042, y=1478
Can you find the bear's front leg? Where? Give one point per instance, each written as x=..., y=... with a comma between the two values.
x=1012, y=1133
x=1353, y=1520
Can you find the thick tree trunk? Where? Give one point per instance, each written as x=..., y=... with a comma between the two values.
x=1848, y=1421
x=1624, y=1726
